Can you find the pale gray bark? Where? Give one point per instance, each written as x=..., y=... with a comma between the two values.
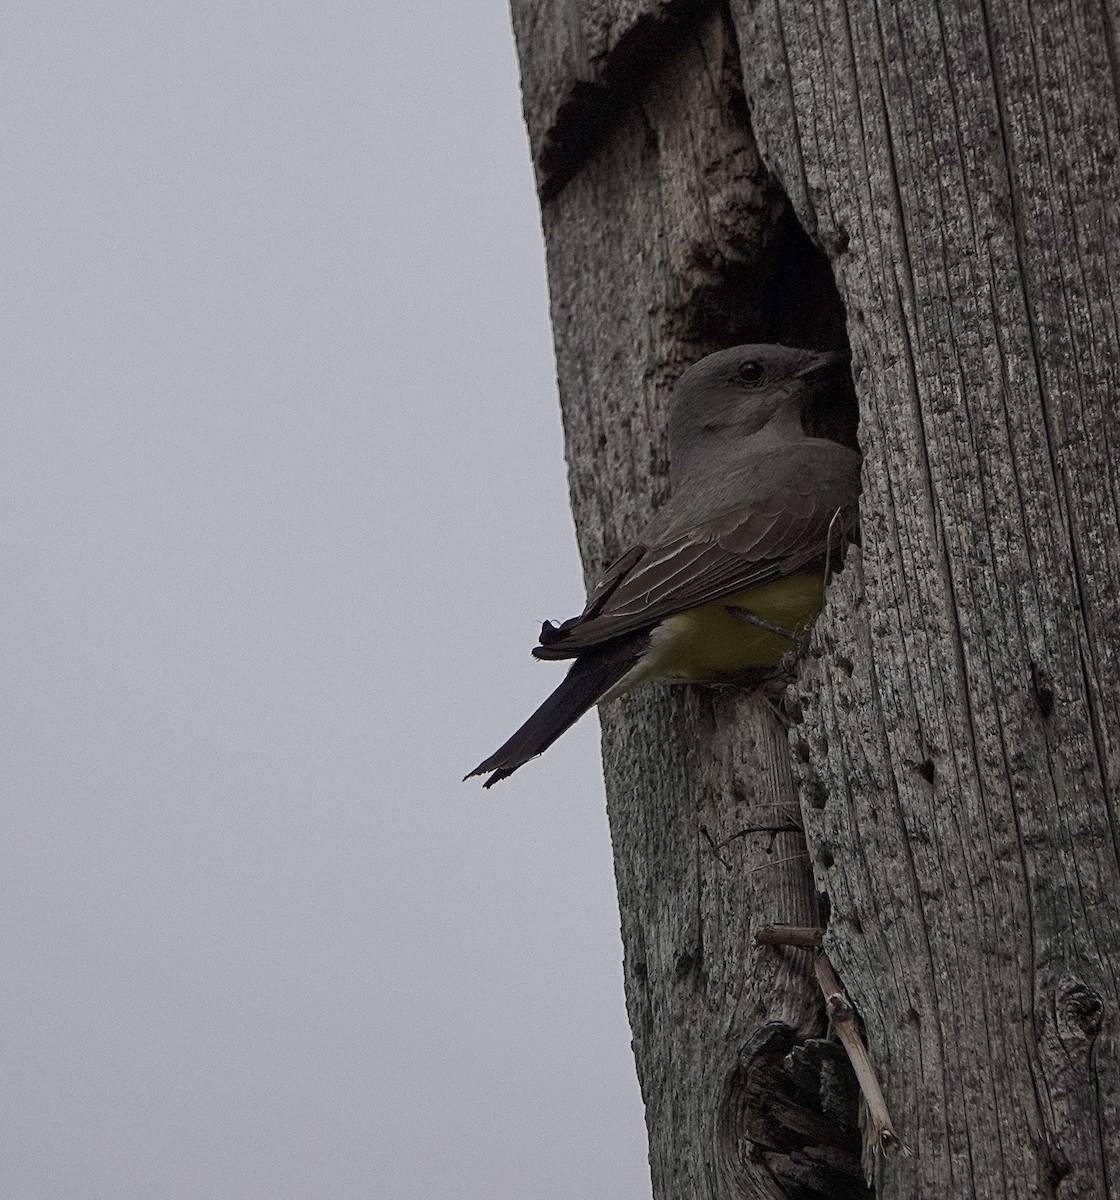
x=958, y=754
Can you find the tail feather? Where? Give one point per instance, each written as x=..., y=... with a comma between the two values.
x=594, y=673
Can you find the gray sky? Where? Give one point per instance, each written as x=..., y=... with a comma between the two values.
x=285, y=503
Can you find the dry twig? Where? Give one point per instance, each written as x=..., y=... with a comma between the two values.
x=879, y=1133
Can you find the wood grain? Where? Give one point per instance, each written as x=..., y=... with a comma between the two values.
x=957, y=752
x=962, y=726
x=656, y=252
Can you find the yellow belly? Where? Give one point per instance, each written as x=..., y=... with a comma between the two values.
x=711, y=643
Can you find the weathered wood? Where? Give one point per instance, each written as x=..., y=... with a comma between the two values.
x=655, y=252
x=962, y=723
x=958, y=750
x=582, y=63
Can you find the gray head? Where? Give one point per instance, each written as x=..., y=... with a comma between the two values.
x=745, y=390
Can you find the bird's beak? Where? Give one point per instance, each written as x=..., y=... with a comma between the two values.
x=827, y=365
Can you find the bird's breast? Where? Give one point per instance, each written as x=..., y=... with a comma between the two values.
x=715, y=642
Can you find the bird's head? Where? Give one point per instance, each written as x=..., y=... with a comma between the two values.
x=746, y=390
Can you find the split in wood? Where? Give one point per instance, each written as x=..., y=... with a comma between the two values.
x=879, y=1135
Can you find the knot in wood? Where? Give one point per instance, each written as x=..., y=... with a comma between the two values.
x=1079, y=1010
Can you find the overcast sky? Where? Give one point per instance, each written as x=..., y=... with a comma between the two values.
x=285, y=505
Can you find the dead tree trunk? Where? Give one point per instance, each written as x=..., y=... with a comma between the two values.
x=948, y=175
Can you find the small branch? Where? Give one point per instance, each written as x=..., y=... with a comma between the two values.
x=806, y=937
x=780, y=862
x=716, y=847
x=749, y=618
x=828, y=547
x=880, y=1132
x=786, y=828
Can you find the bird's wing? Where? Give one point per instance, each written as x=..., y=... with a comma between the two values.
x=739, y=548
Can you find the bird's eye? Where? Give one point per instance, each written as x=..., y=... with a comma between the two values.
x=749, y=372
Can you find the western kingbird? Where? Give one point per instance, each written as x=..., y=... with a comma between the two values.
x=732, y=569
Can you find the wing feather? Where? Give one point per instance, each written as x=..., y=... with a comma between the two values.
x=737, y=549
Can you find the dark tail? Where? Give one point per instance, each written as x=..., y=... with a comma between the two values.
x=596, y=670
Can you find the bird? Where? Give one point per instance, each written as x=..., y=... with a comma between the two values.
x=729, y=574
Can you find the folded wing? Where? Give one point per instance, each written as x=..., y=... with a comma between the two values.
x=739, y=548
